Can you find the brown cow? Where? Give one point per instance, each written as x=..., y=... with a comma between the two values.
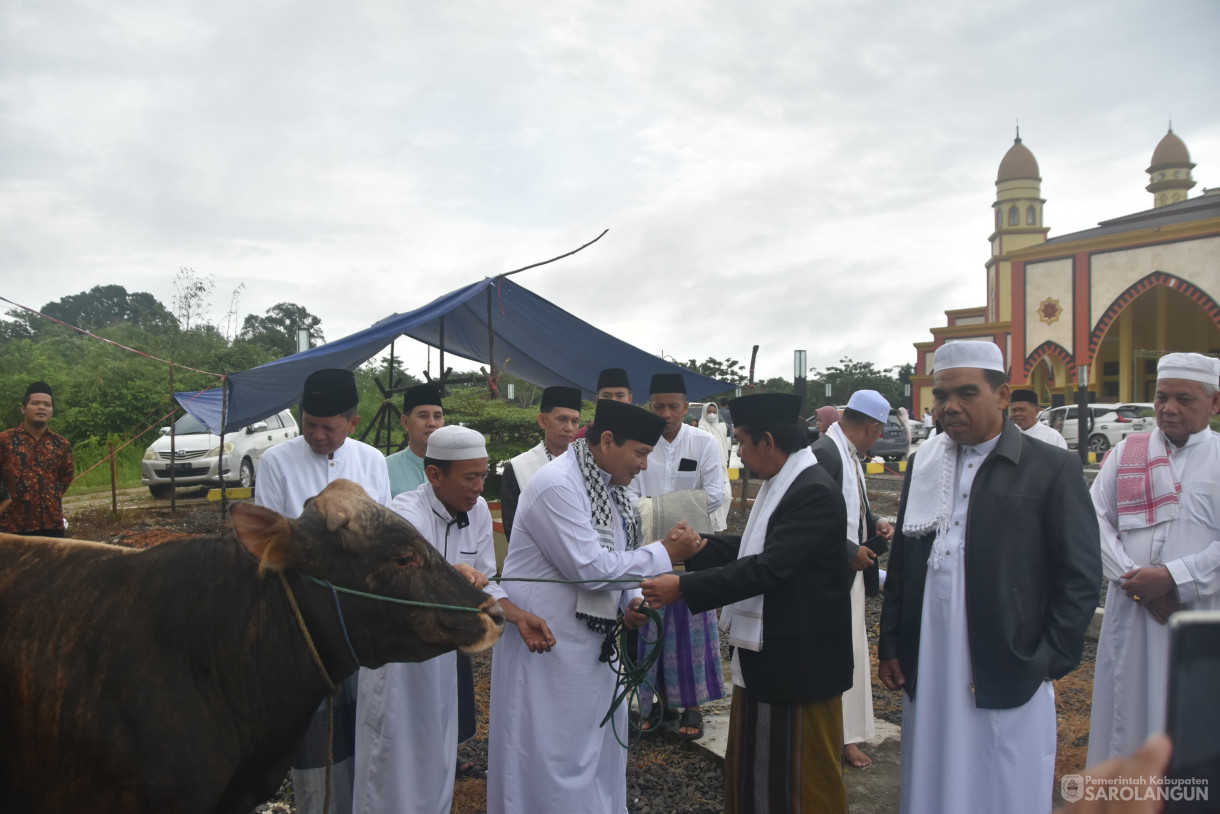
x=177, y=679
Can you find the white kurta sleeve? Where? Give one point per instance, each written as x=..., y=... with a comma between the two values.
x=269, y=491
x=1197, y=575
x=560, y=528
x=1115, y=561
x=711, y=472
x=378, y=485
x=485, y=549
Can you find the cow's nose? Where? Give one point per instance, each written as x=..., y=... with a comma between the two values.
x=492, y=608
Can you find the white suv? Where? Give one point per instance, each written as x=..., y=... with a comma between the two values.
x=1108, y=424
x=197, y=453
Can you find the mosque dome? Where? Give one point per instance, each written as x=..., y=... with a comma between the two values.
x=1018, y=162
x=1170, y=152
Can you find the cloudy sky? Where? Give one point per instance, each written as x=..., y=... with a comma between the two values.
x=813, y=175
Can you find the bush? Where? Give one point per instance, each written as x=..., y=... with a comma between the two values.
x=91, y=456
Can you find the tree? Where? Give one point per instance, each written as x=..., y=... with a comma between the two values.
x=849, y=376
x=192, y=296
x=103, y=306
x=277, y=330
x=730, y=370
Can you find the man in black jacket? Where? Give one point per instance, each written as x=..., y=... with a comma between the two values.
x=993, y=578
x=840, y=450
x=784, y=587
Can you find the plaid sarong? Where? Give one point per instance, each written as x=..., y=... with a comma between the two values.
x=784, y=758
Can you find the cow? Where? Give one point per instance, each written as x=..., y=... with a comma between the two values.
x=178, y=678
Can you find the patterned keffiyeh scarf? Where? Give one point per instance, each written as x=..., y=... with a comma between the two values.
x=599, y=609
x=1148, y=492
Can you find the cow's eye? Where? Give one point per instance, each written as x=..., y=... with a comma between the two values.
x=403, y=561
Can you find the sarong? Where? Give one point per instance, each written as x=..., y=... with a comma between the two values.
x=784, y=758
x=309, y=766
x=689, y=671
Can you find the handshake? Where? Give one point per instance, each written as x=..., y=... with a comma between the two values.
x=682, y=542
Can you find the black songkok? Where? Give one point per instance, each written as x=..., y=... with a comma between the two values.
x=329, y=392
x=421, y=394
x=554, y=397
x=613, y=377
x=1024, y=395
x=622, y=419
x=762, y=410
x=39, y=387
x=667, y=383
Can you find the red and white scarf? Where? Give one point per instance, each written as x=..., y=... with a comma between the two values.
x=1147, y=488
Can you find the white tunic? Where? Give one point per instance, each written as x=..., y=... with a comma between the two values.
x=662, y=475
x=406, y=726
x=858, y=723
x=955, y=756
x=290, y=473
x=527, y=464
x=1044, y=433
x=1130, y=681
x=545, y=750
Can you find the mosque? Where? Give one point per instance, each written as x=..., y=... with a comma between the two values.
x=1094, y=308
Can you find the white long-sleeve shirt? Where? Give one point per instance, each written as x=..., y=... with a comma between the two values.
x=662, y=475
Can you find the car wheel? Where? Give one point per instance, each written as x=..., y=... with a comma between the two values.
x=246, y=475
x=160, y=490
x=1098, y=443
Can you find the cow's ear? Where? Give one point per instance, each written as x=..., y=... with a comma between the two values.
x=265, y=534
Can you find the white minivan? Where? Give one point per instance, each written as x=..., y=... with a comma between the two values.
x=197, y=454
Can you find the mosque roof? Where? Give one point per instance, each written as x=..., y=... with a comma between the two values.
x=1018, y=162
x=1170, y=152
x=1198, y=208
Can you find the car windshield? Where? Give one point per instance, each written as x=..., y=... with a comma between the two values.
x=189, y=425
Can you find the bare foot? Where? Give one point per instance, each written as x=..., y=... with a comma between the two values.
x=853, y=755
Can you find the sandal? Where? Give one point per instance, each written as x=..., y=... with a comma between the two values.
x=652, y=724
x=691, y=719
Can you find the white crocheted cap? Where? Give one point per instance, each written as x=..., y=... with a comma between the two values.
x=871, y=403
x=1193, y=366
x=969, y=353
x=456, y=443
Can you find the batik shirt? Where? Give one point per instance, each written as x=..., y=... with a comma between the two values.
x=36, y=472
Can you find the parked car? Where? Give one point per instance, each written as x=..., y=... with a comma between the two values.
x=1109, y=424
x=893, y=444
x=197, y=453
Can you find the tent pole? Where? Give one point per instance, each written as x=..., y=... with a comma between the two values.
x=491, y=350
x=441, y=367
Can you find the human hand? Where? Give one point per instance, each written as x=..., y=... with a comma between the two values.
x=534, y=631
x=682, y=542
x=886, y=529
x=472, y=576
x=632, y=618
x=891, y=674
x=1150, y=761
x=864, y=558
x=1148, y=583
x=1162, y=607
x=661, y=591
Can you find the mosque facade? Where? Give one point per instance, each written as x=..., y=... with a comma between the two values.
x=1094, y=308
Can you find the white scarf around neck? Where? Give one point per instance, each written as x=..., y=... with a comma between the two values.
x=743, y=620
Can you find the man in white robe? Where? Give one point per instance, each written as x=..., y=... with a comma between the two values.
x=993, y=579
x=407, y=714
x=559, y=418
x=422, y=414
x=289, y=474
x=1023, y=410
x=1158, y=504
x=851, y=437
x=546, y=752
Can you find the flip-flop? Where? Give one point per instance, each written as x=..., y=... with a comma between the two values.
x=468, y=769
x=691, y=719
x=655, y=716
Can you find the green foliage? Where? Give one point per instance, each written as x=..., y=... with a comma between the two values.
x=849, y=376
x=729, y=370
x=92, y=457
x=277, y=329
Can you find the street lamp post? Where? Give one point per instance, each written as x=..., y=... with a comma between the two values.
x=799, y=368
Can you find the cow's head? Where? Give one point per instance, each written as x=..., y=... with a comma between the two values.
x=350, y=540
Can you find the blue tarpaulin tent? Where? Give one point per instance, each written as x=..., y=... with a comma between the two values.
x=546, y=345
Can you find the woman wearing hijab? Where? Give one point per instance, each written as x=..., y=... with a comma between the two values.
x=710, y=421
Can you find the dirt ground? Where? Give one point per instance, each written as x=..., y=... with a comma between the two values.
x=656, y=765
